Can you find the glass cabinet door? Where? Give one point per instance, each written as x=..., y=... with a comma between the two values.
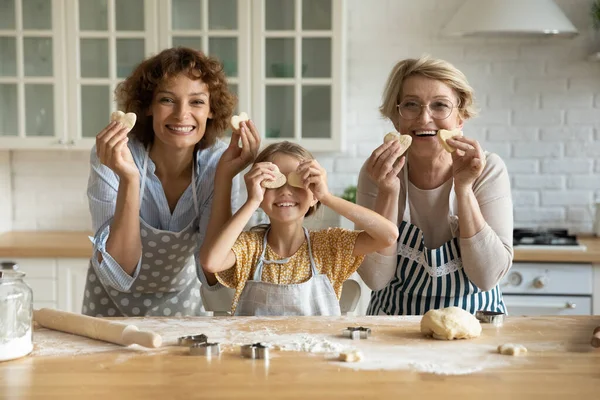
x=112, y=37
x=299, y=78
x=31, y=96
x=218, y=28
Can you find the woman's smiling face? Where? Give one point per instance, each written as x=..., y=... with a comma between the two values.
x=179, y=110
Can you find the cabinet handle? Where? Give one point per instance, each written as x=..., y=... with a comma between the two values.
x=72, y=142
x=9, y=266
x=62, y=142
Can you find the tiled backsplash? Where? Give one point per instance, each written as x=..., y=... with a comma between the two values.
x=539, y=101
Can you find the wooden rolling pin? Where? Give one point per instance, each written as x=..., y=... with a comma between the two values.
x=95, y=328
x=596, y=337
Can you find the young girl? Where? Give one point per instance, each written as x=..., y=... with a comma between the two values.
x=284, y=269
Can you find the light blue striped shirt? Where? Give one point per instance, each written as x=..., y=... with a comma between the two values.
x=102, y=190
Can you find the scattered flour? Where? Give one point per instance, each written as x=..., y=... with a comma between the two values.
x=446, y=358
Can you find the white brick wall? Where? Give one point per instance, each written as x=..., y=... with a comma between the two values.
x=539, y=101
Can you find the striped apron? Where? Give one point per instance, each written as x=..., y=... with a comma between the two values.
x=430, y=278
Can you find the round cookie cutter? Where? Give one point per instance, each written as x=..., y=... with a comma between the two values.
x=495, y=318
x=205, y=349
x=255, y=351
x=191, y=340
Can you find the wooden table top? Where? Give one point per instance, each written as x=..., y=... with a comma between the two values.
x=398, y=362
x=590, y=255
x=46, y=244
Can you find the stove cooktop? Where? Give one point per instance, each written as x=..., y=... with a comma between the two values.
x=550, y=239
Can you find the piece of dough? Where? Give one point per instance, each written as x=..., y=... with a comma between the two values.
x=444, y=135
x=450, y=323
x=236, y=119
x=511, y=349
x=405, y=140
x=294, y=179
x=126, y=119
x=277, y=183
x=351, y=356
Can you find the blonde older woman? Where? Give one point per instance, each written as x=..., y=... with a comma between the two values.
x=454, y=210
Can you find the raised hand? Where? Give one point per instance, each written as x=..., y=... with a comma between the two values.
x=468, y=161
x=236, y=158
x=112, y=150
x=384, y=165
x=314, y=178
x=259, y=172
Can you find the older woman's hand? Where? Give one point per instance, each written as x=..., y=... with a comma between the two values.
x=382, y=167
x=467, y=161
x=236, y=158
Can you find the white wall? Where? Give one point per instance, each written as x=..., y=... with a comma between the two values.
x=539, y=101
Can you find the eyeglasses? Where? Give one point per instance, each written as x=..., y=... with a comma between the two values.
x=438, y=109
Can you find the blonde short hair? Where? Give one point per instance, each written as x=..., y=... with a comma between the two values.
x=430, y=68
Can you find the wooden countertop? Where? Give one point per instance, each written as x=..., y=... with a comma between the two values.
x=398, y=361
x=590, y=255
x=45, y=244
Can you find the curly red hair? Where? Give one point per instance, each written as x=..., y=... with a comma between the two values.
x=135, y=93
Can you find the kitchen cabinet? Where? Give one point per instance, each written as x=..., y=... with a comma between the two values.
x=60, y=61
x=56, y=282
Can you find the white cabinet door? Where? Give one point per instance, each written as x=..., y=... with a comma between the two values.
x=32, y=74
x=72, y=273
x=41, y=275
x=298, y=71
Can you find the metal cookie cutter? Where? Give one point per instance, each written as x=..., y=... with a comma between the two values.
x=205, y=349
x=357, y=332
x=255, y=351
x=191, y=340
x=495, y=318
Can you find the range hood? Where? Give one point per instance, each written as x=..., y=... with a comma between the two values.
x=489, y=18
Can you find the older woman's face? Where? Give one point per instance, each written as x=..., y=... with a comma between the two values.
x=423, y=105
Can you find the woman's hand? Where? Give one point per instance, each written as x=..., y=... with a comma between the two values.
x=112, y=151
x=468, y=161
x=236, y=158
x=259, y=172
x=314, y=178
x=384, y=166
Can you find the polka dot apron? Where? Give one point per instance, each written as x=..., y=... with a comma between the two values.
x=167, y=284
x=313, y=297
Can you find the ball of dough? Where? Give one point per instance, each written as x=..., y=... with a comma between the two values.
x=450, y=323
x=511, y=349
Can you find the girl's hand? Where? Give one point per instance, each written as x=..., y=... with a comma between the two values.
x=236, y=158
x=314, y=178
x=468, y=161
x=112, y=151
x=259, y=172
x=383, y=168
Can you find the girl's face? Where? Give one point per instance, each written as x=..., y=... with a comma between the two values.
x=287, y=203
x=179, y=110
x=437, y=100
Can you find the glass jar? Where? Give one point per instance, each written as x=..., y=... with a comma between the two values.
x=16, y=316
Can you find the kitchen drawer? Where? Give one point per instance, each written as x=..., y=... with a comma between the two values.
x=35, y=267
x=548, y=305
x=548, y=278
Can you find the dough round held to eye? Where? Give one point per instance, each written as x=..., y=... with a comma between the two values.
x=444, y=135
x=405, y=140
x=511, y=349
x=277, y=183
x=294, y=179
x=126, y=119
x=236, y=119
x=450, y=323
